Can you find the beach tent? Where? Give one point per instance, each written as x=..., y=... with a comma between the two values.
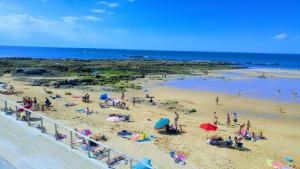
x=143, y=164
x=163, y=122
x=208, y=127
x=103, y=96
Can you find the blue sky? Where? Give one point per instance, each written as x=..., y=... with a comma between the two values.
x=197, y=25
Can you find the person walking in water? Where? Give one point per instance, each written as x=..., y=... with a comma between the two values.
x=294, y=95
x=278, y=92
x=235, y=118
x=217, y=100
x=228, y=120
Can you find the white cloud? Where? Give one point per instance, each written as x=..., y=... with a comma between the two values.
x=102, y=11
x=22, y=26
x=296, y=37
x=92, y=18
x=69, y=19
x=281, y=36
x=109, y=4
x=99, y=11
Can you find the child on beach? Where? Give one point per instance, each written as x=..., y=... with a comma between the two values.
x=217, y=100
x=235, y=118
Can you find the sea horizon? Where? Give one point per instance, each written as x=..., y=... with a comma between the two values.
x=261, y=60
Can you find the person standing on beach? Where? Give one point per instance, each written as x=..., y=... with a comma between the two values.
x=133, y=102
x=217, y=100
x=215, y=119
x=235, y=118
x=122, y=96
x=228, y=121
x=248, y=125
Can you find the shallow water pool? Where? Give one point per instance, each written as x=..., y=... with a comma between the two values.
x=278, y=89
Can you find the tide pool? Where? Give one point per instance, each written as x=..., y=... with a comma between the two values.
x=278, y=89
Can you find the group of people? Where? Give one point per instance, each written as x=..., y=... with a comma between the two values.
x=242, y=133
x=228, y=119
x=173, y=128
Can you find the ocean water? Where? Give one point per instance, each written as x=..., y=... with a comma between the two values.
x=248, y=59
x=252, y=87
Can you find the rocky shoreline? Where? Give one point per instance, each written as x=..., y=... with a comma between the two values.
x=115, y=73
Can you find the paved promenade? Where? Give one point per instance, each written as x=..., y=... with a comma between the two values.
x=22, y=147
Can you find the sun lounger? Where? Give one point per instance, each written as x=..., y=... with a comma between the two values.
x=117, y=160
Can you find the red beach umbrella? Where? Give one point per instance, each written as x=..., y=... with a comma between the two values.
x=27, y=106
x=208, y=127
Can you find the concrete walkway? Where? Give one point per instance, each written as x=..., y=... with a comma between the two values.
x=23, y=147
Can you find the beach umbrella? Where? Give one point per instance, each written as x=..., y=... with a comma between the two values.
x=103, y=96
x=27, y=106
x=288, y=159
x=163, y=122
x=208, y=127
x=143, y=164
x=85, y=132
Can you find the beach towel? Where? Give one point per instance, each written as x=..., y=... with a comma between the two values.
x=124, y=133
x=79, y=110
x=114, y=119
x=76, y=97
x=177, y=158
x=269, y=162
x=287, y=167
x=143, y=164
x=276, y=165
x=69, y=104
x=135, y=138
x=143, y=140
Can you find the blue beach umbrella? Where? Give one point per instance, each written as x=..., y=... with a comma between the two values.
x=143, y=164
x=288, y=159
x=163, y=122
x=103, y=96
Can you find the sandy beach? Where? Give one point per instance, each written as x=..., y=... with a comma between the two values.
x=280, y=128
